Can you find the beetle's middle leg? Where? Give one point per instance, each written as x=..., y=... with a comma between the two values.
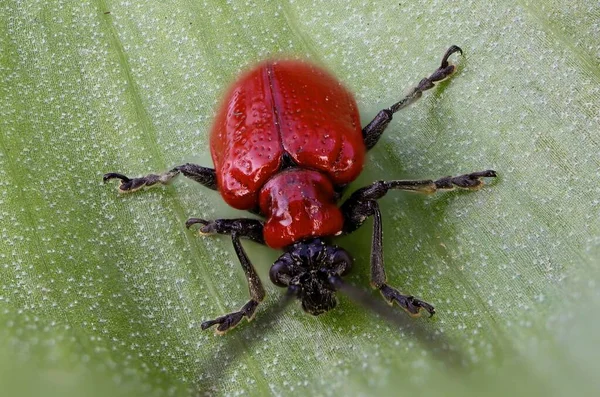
x=363, y=204
x=372, y=131
x=242, y=227
x=203, y=175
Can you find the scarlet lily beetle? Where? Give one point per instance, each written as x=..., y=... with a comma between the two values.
x=285, y=144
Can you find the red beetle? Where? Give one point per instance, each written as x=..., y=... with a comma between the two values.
x=285, y=144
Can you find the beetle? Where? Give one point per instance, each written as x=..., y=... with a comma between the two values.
x=285, y=144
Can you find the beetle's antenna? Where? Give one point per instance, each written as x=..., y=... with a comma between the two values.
x=426, y=334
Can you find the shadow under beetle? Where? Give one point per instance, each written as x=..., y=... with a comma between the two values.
x=286, y=142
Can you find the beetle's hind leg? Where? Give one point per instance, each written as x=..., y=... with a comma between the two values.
x=372, y=131
x=242, y=227
x=203, y=175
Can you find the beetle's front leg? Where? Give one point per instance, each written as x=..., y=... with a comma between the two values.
x=243, y=227
x=363, y=204
x=251, y=229
x=412, y=305
x=359, y=212
x=255, y=287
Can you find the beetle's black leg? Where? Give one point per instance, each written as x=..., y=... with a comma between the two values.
x=363, y=203
x=203, y=175
x=257, y=293
x=409, y=303
x=244, y=227
x=372, y=131
x=356, y=207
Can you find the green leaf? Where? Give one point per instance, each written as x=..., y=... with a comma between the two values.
x=103, y=294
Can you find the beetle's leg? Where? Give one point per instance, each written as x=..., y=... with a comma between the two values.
x=372, y=131
x=362, y=204
x=257, y=293
x=355, y=208
x=410, y=304
x=244, y=227
x=470, y=181
x=203, y=175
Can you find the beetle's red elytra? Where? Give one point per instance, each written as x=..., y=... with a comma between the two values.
x=300, y=110
x=286, y=143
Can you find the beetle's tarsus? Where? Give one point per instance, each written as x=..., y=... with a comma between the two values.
x=244, y=227
x=129, y=185
x=445, y=70
x=194, y=221
x=471, y=181
x=114, y=175
x=410, y=304
x=452, y=50
x=205, y=230
x=230, y=320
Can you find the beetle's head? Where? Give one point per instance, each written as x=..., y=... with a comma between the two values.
x=307, y=268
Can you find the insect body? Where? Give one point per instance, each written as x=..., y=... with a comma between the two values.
x=288, y=135
x=285, y=144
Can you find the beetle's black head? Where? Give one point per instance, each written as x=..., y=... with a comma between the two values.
x=306, y=269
